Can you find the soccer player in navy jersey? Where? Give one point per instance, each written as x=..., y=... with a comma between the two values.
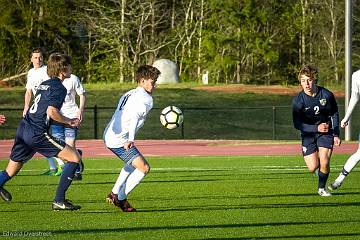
x=315, y=114
x=32, y=134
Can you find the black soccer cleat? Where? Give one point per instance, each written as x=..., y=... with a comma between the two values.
x=66, y=205
x=5, y=195
x=125, y=206
x=77, y=176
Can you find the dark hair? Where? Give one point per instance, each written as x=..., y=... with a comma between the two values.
x=58, y=63
x=309, y=71
x=147, y=72
x=36, y=50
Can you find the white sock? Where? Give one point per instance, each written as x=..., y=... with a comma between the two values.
x=124, y=174
x=132, y=181
x=352, y=161
x=52, y=164
x=340, y=178
x=59, y=161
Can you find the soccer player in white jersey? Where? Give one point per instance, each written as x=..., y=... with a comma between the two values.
x=119, y=135
x=70, y=110
x=355, y=158
x=35, y=77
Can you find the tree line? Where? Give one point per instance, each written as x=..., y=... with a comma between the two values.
x=236, y=41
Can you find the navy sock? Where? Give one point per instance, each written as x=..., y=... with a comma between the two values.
x=78, y=169
x=4, y=177
x=322, y=179
x=65, y=180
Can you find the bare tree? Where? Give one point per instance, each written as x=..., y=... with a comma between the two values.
x=331, y=34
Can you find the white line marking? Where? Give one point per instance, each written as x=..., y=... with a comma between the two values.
x=196, y=169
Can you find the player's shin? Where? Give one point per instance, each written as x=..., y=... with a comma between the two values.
x=133, y=180
x=124, y=174
x=4, y=177
x=322, y=179
x=65, y=180
x=352, y=161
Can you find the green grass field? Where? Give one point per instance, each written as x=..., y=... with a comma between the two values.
x=240, y=197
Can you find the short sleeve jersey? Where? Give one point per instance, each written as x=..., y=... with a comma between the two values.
x=49, y=93
x=35, y=77
x=128, y=117
x=74, y=87
x=310, y=111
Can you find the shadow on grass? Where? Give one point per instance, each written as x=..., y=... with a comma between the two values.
x=314, y=236
x=209, y=207
x=216, y=226
x=222, y=207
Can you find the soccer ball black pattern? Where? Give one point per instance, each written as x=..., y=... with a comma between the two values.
x=171, y=117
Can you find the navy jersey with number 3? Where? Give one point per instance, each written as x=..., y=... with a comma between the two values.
x=310, y=111
x=49, y=93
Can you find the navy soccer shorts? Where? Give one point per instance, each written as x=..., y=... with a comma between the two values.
x=28, y=142
x=312, y=142
x=127, y=156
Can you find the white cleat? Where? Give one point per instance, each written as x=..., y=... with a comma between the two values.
x=334, y=186
x=322, y=192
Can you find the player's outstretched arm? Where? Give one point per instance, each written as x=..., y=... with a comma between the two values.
x=55, y=115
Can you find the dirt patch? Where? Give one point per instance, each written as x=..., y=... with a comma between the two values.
x=274, y=89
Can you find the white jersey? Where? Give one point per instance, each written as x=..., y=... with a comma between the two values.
x=128, y=118
x=355, y=94
x=73, y=86
x=35, y=77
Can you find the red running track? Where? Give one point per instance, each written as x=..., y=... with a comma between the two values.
x=96, y=148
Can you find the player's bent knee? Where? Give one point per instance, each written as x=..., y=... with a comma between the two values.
x=70, y=155
x=312, y=169
x=147, y=169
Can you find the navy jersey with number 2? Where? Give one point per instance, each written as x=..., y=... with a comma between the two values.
x=310, y=111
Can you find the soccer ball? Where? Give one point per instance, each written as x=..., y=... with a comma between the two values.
x=171, y=117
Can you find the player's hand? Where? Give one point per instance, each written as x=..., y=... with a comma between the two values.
x=74, y=122
x=2, y=119
x=337, y=141
x=128, y=145
x=25, y=111
x=80, y=115
x=344, y=123
x=323, y=127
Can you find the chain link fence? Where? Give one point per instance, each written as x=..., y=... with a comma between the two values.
x=243, y=123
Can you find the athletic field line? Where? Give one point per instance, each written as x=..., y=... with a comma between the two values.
x=199, y=169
